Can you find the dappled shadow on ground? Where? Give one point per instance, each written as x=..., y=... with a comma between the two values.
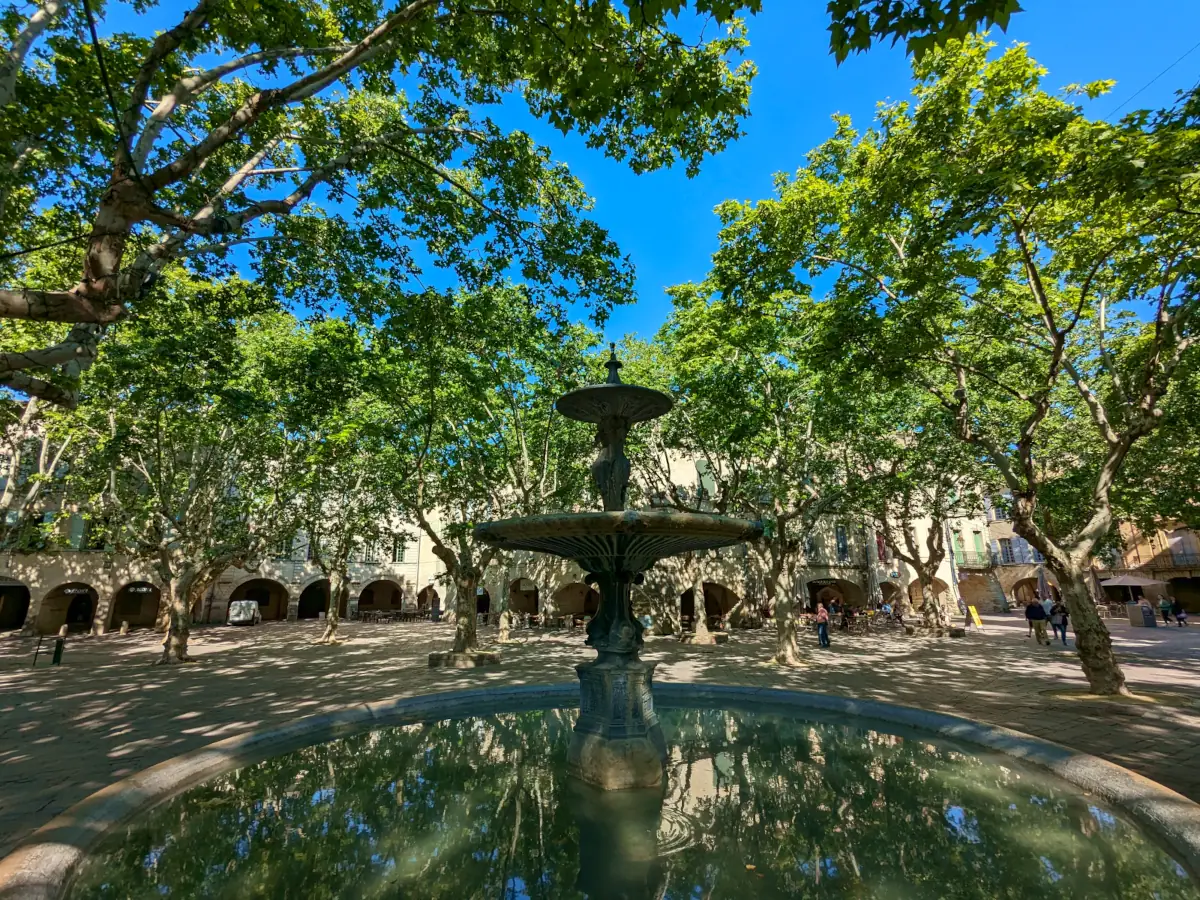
x=107, y=712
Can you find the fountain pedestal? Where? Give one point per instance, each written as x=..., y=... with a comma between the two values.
x=618, y=742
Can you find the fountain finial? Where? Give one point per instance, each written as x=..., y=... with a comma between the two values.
x=613, y=365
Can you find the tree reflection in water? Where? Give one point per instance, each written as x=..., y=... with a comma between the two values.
x=756, y=806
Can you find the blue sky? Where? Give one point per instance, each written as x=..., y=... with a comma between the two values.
x=664, y=221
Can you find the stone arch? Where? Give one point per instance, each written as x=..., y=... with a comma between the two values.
x=483, y=600
x=1187, y=592
x=271, y=597
x=1025, y=591
x=314, y=600
x=575, y=599
x=891, y=592
x=72, y=604
x=137, y=603
x=428, y=598
x=718, y=601
x=14, y=604
x=940, y=592
x=523, y=597
x=382, y=593
x=826, y=590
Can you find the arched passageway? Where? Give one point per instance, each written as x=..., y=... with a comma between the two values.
x=1025, y=591
x=940, y=592
x=428, y=599
x=828, y=590
x=270, y=595
x=14, y=605
x=136, y=603
x=523, y=597
x=891, y=593
x=483, y=601
x=314, y=600
x=718, y=601
x=575, y=599
x=72, y=604
x=1187, y=592
x=381, y=594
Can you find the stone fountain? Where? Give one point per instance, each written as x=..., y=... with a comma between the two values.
x=618, y=742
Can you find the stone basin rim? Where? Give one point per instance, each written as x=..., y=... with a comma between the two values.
x=630, y=521
x=41, y=867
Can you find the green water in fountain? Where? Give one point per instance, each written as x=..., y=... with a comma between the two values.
x=755, y=805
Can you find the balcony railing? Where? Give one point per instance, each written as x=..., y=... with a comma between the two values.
x=1174, y=560
x=970, y=559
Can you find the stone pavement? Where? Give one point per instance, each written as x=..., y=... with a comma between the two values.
x=106, y=712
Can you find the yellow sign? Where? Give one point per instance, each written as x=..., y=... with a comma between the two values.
x=975, y=616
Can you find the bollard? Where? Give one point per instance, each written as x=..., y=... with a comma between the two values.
x=124, y=627
x=62, y=632
x=59, y=643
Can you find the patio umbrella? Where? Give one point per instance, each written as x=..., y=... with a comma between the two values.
x=1130, y=582
x=1043, y=586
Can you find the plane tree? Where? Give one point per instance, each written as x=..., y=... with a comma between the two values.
x=987, y=241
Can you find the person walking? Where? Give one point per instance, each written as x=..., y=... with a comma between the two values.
x=822, y=625
x=1058, y=620
x=1178, y=612
x=1036, y=614
x=1164, y=606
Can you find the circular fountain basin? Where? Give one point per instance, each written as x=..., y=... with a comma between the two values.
x=617, y=541
x=768, y=794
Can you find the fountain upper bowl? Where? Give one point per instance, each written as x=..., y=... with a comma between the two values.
x=617, y=541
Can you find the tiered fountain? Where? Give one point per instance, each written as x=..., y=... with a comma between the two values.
x=618, y=742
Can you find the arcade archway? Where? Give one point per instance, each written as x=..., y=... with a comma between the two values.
x=523, y=597
x=1025, y=591
x=718, y=601
x=72, y=604
x=576, y=599
x=829, y=590
x=270, y=595
x=428, y=599
x=314, y=600
x=381, y=594
x=891, y=593
x=483, y=601
x=940, y=592
x=136, y=603
x=14, y=605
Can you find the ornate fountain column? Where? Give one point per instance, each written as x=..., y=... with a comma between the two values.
x=618, y=742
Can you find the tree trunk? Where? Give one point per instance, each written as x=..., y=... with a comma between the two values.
x=465, y=636
x=700, y=611
x=931, y=610
x=1092, y=639
x=339, y=590
x=786, y=651
x=178, y=609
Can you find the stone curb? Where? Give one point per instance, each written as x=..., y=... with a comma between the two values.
x=40, y=868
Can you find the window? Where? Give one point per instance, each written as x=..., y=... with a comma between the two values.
x=1037, y=555
x=1006, y=551
x=978, y=537
x=397, y=549
x=283, y=550
x=843, y=543
x=881, y=548
x=810, y=546
x=370, y=551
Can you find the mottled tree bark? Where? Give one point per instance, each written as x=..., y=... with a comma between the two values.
x=466, y=637
x=1092, y=640
x=339, y=591
x=179, y=616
